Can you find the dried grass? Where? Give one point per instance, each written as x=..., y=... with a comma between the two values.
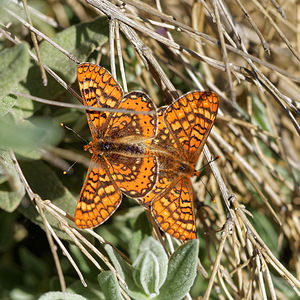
x=248, y=53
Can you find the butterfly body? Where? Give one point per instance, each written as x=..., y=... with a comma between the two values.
x=175, y=165
x=101, y=147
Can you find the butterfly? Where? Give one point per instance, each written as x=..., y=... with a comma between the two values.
x=121, y=163
x=183, y=128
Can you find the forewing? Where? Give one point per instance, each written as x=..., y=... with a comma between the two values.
x=98, y=89
x=135, y=176
x=173, y=210
x=133, y=127
x=163, y=142
x=190, y=119
x=99, y=197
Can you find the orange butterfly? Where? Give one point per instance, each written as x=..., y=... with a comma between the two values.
x=120, y=162
x=183, y=128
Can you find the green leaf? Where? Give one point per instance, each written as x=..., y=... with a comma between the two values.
x=282, y=285
x=60, y=296
x=14, y=64
x=260, y=117
x=21, y=293
x=109, y=285
x=150, y=266
x=182, y=271
x=6, y=104
x=18, y=107
x=28, y=135
x=125, y=270
x=266, y=230
x=122, y=267
x=11, y=187
x=47, y=185
x=7, y=232
x=92, y=290
x=141, y=229
x=80, y=40
x=7, y=18
x=81, y=260
x=146, y=273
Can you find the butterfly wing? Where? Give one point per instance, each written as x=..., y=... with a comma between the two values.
x=162, y=143
x=173, y=207
x=98, y=89
x=171, y=200
x=99, y=197
x=190, y=120
x=137, y=126
x=135, y=176
x=163, y=183
x=134, y=173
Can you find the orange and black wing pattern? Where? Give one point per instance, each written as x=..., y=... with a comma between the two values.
x=99, y=197
x=189, y=120
x=135, y=127
x=135, y=173
x=135, y=176
x=163, y=142
x=171, y=200
x=130, y=168
x=173, y=209
x=183, y=128
x=164, y=149
x=98, y=89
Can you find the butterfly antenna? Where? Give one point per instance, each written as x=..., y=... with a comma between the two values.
x=68, y=171
x=197, y=173
x=210, y=194
x=78, y=135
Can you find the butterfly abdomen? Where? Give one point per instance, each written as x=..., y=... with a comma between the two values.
x=125, y=149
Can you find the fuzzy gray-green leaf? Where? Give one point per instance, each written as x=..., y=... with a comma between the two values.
x=150, y=266
x=14, y=64
x=11, y=188
x=80, y=40
x=43, y=181
x=182, y=271
x=109, y=285
x=146, y=273
x=60, y=296
x=125, y=270
x=26, y=136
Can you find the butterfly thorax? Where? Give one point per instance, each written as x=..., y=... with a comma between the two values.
x=101, y=147
x=175, y=165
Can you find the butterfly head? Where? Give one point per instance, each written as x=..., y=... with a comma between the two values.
x=185, y=169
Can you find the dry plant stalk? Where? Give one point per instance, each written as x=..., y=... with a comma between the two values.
x=249, y=55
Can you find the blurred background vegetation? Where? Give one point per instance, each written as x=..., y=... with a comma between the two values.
x=245, y=51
